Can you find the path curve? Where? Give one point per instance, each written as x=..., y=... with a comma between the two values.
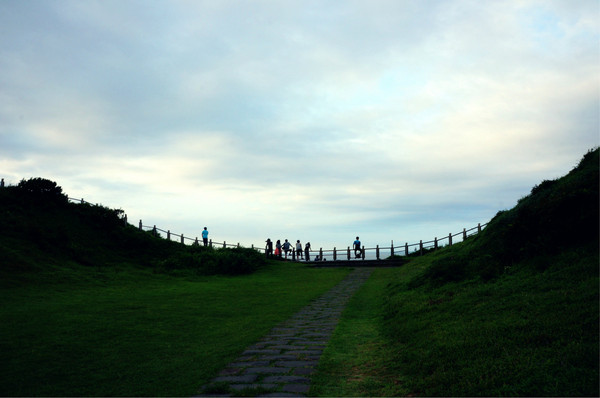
x=281, y=363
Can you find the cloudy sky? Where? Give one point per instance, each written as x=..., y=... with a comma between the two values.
x=312, y=120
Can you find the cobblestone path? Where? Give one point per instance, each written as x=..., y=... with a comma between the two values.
x=282, y=362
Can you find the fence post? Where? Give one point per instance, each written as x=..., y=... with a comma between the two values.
x=406, y=249
x=348, y=253
x=224, y=244
x=182, y=239
x=196, y=242
x=392, y=249
x=210, y=242
x=421, y=246
x=334, y=254
x=154, y=231
x=450, y=238
x=238, y=246
x=435, y=243
x=293, y=254
x=363, y=253
x=321, y=254
x=140, y=224
x=464, y=234
x=168, y=234
x=82, y=201
x=377, y=252
x=478, y=227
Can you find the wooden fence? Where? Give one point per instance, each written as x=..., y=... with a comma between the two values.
x=376, y=252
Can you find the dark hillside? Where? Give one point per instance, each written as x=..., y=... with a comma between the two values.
x=557, y=215
x=41, y=229
x=511, y=311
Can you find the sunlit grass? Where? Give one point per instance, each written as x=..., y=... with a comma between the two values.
x=529, y=333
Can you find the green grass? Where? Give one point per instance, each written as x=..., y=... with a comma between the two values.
x=353, y=364
x=531, y=332
x=135, y=332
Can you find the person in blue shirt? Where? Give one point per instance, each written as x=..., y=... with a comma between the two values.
x=357, y=249
x=205, y=236
x=286, y=247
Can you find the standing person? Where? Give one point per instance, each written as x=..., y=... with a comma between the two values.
x=357, y=249
x=286, y=247
x=299, y=250
x=2, y=183
x=307, y=251
x=205, y=236
x=278, y=248
x=269, y=248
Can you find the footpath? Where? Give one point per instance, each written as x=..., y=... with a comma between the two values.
x=280, y=364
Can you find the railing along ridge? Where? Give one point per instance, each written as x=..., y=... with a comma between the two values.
x=421, y=246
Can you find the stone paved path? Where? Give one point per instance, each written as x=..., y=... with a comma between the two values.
x=283, y=361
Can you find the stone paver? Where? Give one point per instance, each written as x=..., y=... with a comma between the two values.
x=283, y=361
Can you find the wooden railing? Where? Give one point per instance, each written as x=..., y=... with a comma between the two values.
x=376, y=253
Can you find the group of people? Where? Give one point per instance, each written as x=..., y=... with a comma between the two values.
x=286, y=248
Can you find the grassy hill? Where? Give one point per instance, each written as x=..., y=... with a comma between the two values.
x=511, y=311
x=41, y=230
x=91, y=306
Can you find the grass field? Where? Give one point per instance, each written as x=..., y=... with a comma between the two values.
x=139, y=333
x=532, y=332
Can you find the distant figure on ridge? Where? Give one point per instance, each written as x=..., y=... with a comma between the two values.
x=357, y=249
x=205, y=236
x=299, y=250
x=286, y=247
x=269, y=248
x=307, y=251
x=2, y=183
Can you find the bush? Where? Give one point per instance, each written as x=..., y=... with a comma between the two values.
x=210, y=261
x=40, y=188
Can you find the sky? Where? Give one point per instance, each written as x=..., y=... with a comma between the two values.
x=304, y=120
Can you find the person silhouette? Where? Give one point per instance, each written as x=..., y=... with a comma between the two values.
x=357, y=249
x=205, y=236
x=269, y=248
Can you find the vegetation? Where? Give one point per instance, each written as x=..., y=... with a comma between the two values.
x=93, y=307
x=511, y=311
x=90, y=306
x=39, y=227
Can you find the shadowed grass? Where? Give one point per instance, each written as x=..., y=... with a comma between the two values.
x=138, y=333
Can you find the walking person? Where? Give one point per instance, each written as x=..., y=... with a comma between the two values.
x=307, y=251
x=269, y=248
x=357, y=249
x=299, y=250
x=205, y=236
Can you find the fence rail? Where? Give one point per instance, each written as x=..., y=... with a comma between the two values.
x=334, y=254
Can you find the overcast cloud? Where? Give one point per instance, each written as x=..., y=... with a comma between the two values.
x=312, y=120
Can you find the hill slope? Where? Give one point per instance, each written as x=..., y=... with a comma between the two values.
x=511, y=311
x=40, y=230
